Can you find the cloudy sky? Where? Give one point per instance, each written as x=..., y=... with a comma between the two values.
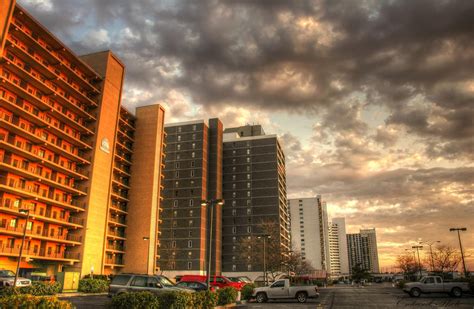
x=373, y=100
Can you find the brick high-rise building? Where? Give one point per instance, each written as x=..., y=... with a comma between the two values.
x=254, y=192
x=193, y=173
x=66, y=156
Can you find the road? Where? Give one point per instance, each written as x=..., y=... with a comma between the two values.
x=340, y=297
x=376, y=296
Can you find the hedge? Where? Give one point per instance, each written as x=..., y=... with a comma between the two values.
x=102, y=277
x=247, y=291
x=93, y=285
x=226, y=296
x=25, y=301
x=37, y=288
x=166, y=300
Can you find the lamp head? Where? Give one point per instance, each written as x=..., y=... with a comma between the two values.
x=203, y=203
x=24, y=211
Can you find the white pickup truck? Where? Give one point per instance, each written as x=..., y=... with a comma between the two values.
x=435, y=284
x=282, y=289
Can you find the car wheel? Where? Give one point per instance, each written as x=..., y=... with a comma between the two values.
x=261, y=297
x=301, y=297
x=456, y=292
x=415, y=292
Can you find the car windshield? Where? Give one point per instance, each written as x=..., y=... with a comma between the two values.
x=165, y=281
x=233, y=279
x=6, y=273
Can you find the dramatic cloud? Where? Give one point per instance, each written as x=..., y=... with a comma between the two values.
x=373, y=100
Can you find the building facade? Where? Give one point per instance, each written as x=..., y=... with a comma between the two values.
x=362, y=250
x=309, y=231
x=193, y=173
x=67, y=148
x=255, y=192
x=339, y=263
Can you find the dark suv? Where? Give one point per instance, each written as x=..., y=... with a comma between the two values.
x=123, y=283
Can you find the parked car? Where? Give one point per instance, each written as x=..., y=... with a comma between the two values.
x=282, y=289
x=123, y=283
x=7, y=278
x=435, y=284
x=243, y=279
x=217, y=281
x=193, y=285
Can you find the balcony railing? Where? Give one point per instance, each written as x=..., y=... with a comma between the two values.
x=114, y=261
x=116, y=247
x=40, y=253
x=39, y=233
x=40, y=214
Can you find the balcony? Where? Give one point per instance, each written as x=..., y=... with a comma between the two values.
x=117, y=220
x=7, y=164
x=27, y=78
x=123, y=157
x=116, y=234
x=40, y=254
x=126, y=135
x=13, y=125
x=118, y=208
x=41, y=234
x=120, y=183
x=37, y=214
x=127, y=146
x=126, y=124
x=122, y=169
x=14, y=187
x=25, y=114
x=123, y=197
x=116, y=262
x=50, y=56
x=76, y=173
x=115, y=247
x=44, y=106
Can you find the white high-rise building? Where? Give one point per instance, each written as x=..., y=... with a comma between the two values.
x=310, y=231
x=338, y=257
x=362, y=250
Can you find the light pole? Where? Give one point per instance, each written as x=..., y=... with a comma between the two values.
x=210, y=203
x=463, y=229
x=27, y=213
x=430, y=244
x=264, y=237
x=145, y=238
x=418, y=253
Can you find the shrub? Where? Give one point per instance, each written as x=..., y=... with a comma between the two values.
x=204, y=300
x=93, y=285
x=39, y=288
x=136, y=301
x=226, y=296
x=247, y=291
x=101, y=277
x=29, y=301
x=175, y=300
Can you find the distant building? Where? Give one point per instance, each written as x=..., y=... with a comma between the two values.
x=339, y=263
x=254, y=191
x=193, y=172
x=309, y=230
x=362, y=250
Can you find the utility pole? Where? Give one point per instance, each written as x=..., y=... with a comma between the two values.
x=418, y=252
x=27, y=213
x=458, y=229
x=210, y=203
x=264, y=237
x=430, y=244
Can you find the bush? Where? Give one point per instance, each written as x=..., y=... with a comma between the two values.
x=135, y=301
x=175, y=300
x=247, y=291
x=29, y=301
x=93, y=285
x=39, y=288
x=226, y=296
x=204, y=300
x=101, y=277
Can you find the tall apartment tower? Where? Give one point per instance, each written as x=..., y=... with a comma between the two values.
x=254, y=192
x=309, y=230
x=339, y=263
x=362, y=250
x=193, y=173
x=66, y=147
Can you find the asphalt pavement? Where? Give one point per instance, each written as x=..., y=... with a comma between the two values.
x=338, y=297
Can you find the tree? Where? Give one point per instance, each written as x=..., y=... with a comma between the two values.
x=408, y=265
x=251, y=248
x=359, y=273
x=445, y=259
x=296, y=265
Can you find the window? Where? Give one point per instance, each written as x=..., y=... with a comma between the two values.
x=248, y=193
x=190, y=243
x=194, y=127
x=278, y=284
x=249, y=211
x=190, y=234
x=178, y=147
x=179, y=129
x=194, y=136
x=233, y=152
x=178, y=157
x=175, y=203
x=234, y=212
x=249, y=267
x=234, y=267
x=234, y=230
x=233, y=177
x=173, y=244
x=233, y=186
x=248, y=159
x=191, y=203
x=248, y=151
x=192, y=163
x=248, y=176
x=175, y=213
x=176, y=174
x=193, y=154
x=192, y=173
x=139, y=281
x=177, y=164
x=179, y=138
x=193, y=145
x=152, y=282
x=234, y=194
x=249, y=229
x=190, y=265
x=234, y=203
x=248, y=185
x=248, y=168
x=249, y=202
x=190, y=223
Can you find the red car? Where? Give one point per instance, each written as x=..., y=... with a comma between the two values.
x=216, y=281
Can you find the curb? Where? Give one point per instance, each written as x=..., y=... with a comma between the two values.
x=76, y=294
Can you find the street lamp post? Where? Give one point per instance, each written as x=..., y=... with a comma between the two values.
x=27, y=213
x=430, y=244
x=264, y=237
x=210, y=203
x=145, y=238
x=418, y=253
x=458, y=229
